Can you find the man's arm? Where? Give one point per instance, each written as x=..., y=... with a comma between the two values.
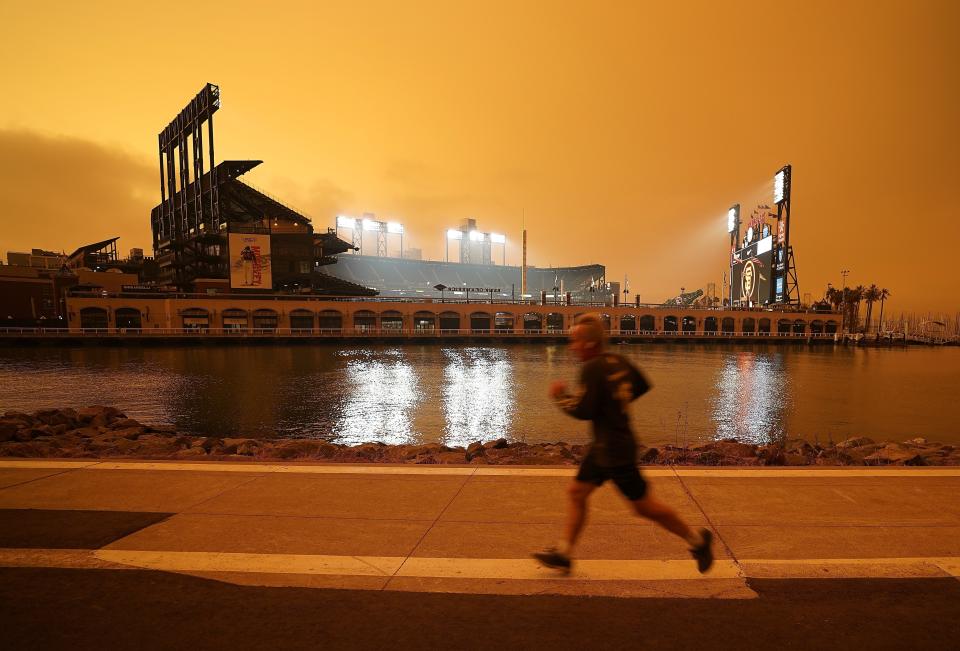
x=640, y=383
x=583, y=405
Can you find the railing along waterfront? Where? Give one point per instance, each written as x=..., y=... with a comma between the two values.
x=372, y=332
x=474, y=299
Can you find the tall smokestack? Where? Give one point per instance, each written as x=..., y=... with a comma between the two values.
x=523, y=279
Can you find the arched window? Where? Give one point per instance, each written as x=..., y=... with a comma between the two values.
x=265, y=320
x=748, y=326
x=128, y=318
x=301, y=321
x=424, y=322
x=93, y=318
x=364, y=321
x=763, y=326
x=628, y=323
x=449, y=322
x=391, y=320
x=480, y=322
x=555, y=322
x=648, y=324
x=670, y=323
x=689, y=324
x=196, y=319
x=503, y=322
x=330, y=321
x=783, y=326
x=532, y=322
x=711, y=325
x=831, y=327
x=727, y=325
x=799, y=327
x=234, y=320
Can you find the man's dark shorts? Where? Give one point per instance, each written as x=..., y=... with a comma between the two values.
x=627, y=478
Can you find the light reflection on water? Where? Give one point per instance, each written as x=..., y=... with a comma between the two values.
x=459, y=394
x=478, y=394
x=751, y=396
x=383, y=394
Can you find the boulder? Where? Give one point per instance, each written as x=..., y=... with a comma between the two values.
x=649, y=455
x=732, y=448
x=129, y=433
x=247, y=448
x=855, y=442
x=211, y=443
x=125, y=423
x=57, y=417
x=476, y=446
x=894, y=454
x=296, y=449
x=497, y=444
x=99, y=416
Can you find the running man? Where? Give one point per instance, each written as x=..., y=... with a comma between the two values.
x=610, y=383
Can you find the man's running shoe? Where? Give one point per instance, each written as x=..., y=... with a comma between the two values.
x=703, y=553
x=552, y=558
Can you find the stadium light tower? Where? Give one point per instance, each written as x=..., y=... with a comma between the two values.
x=351, y=224
x=453, y=234
x=498, y=238
x=396, y=228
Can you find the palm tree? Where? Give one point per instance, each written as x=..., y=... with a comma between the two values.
x=884, y=295
x=834, y=297
x=871, y=294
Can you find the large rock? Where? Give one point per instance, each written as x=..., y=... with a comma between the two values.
x=894, y=454
x=57, y=417
x=855, y=442
x=99, y=416
x=497, y=444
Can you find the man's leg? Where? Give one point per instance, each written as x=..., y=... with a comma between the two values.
x=700, y=541
x=652, y=509
x=577, y=494
x=559, y=557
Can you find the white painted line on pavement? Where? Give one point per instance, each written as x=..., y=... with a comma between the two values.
x=261, y=563
x=482, y=568
x=40, y=464
x=482, y=471
x=588, y=570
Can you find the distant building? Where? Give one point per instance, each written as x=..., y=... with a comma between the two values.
x=37, y=259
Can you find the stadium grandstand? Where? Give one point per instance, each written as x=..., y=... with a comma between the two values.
x=401, y=277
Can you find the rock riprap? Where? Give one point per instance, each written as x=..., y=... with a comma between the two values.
x=106, y=432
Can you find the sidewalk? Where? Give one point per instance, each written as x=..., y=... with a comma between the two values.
x=470, y=529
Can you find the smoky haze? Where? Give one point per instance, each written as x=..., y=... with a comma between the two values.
x=617, y=133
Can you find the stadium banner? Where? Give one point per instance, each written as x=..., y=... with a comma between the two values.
x=753, y=274
x=250, y=261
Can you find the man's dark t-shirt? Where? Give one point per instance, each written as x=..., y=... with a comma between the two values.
x=609, y=383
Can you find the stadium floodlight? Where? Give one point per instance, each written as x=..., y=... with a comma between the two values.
x=343, y=221
x=395, y=228
x=454, y=234
x=779, y=186
x=371, y=225
x=477, y=236
x=497, y=238
x=732, y=218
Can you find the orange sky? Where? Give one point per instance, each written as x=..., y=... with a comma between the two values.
x=622, y=130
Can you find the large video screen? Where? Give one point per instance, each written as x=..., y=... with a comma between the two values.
x=753, y=273
x=250, y=261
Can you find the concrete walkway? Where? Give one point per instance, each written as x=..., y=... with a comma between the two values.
x=470, y=529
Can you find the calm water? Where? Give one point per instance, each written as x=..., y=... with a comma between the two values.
x=459, y=394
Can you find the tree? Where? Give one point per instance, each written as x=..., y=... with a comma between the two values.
x=884, y=295
x=870, y=294
x=835, y=297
